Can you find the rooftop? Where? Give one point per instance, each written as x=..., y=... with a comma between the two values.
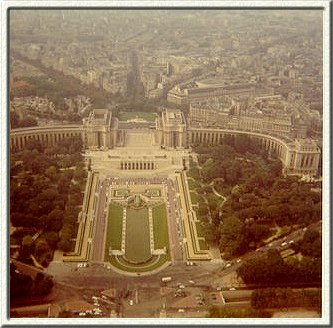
x=174, y=116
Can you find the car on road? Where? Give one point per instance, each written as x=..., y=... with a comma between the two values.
x=228, y=265
x=232, y=288
x=284, y=244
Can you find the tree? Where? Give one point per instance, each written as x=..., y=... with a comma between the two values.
x=263, y=269
x=27, y=241
x=228, y=312
x=20, y=285
x=79, y=174
x=272, y=298
x=51, y=238
x=51, y=173
x=310, y=245
x=285, y=297
x=210, y=232
x=28, y=121
x=256, y=231
x=42, y=285
x=54, y=220
x=48, y=194
x=32, y=144
x=18, y=219
x=65, y=245
x=41, y=247
x=232, y=241
x=63, y=185
x=14, y=120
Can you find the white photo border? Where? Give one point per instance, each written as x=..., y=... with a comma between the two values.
x=172, y=5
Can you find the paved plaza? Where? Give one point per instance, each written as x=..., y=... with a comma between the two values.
x=139, y=139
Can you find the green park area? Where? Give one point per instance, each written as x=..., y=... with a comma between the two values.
x=194, y=198
x=200, y=232
x=203, y=245
x=113, y=238
x=160, y=224
x=137, y=248
x=138, y=257
x=192, y=184
x=147, y=116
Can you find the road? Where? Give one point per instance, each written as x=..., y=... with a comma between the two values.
x=204, y=274
x=216, y=279
x=100, y=226
x=174, y=229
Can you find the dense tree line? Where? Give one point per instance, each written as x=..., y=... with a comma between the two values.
x=244, y=312
x=270, y=269
x=17, y=122
x=22, y=285
x=259, y=197
x=285, y=298
x=46, y=192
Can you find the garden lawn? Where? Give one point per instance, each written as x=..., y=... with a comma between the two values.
x=194, y=197
x=113, y=237
x=203, y=245
x=160, y=224
x=193, y=184
x=137, y=247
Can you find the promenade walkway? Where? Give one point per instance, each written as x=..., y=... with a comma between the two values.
x=86, y=224
x=191, y=240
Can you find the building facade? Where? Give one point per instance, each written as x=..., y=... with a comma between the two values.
x=100, y=131
x=173, y=129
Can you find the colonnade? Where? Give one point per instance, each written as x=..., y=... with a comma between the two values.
x=296, y=158
x=47, y=135
x=215, y=137
x=137, y=165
